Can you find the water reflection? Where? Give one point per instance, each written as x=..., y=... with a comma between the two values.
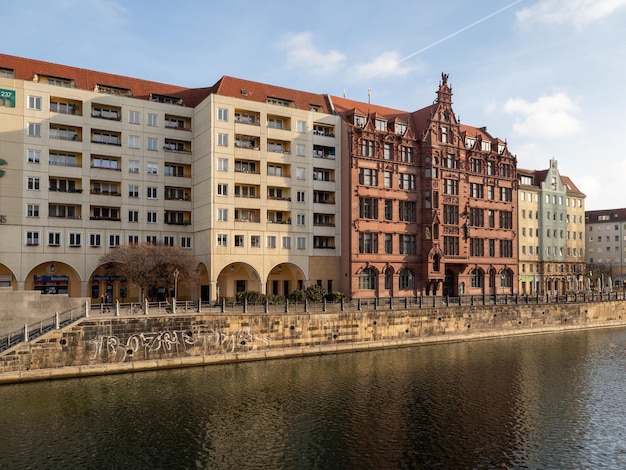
x=550, y=401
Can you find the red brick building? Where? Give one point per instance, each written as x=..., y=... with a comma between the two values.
x=429, y=204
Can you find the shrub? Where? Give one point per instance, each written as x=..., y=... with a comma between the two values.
x=315, y=293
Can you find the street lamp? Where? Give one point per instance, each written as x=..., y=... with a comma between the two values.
x=176, y=273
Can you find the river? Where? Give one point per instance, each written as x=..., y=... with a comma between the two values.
x=553, y=401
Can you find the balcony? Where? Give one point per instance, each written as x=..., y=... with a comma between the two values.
x=106, y=138
x=65, y=133
x=64, y=106
x=247, y=117
x=247, y=142
x=247, y=215
x=177, y=122
x=321, y=151
x=177, y=146
x=109, y=113
x=323, y=130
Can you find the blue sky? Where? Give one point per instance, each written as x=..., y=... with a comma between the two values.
x=549, y=76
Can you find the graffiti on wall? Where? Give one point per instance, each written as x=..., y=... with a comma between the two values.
x=153, y=345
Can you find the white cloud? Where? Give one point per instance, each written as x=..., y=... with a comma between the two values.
x=549, y=116
x=388, y=64
x=302, y=54
x=575, y=12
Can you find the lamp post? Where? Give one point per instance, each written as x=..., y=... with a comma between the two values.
x=176, y=273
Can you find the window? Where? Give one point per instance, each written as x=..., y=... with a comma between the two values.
x=114, y=240
x=301, y=243
x=151, y=192
x=133, y=216
x=477, y=278
x=168, y=240
x=406, y=181
x=506, y=278
x=151, y=217
x=407, y=244
x=476, y=190
x=477, y=247
x=34, y=129
x=54, y=238
x=222, y=189
x=451, y=246
x=95, y=239
x=407, y=154
x=133, y=117
x=185, y=242
x=300, y=196
x=450, y=214
x=133, y=166
x=301, y=219
x=32, y=210
x=388, y=209
x=34, y=102
x=134, y=142
x=367, y=148
x=133, y=191
x=287, y=243
x=367, y=279
x=301, y=126
x=33, y=183
x=368, y=177
x=271, y=241
x=406, y=279
x=151, y=239
x=152, y=144
x=34, y=156
x=387, y=152
x=368, y=208
x=477, y=217
x=222, y=239
x=152, y=120
x=32, y=238
x=222, y=214
x=152, y=168
x=451, y=187
x=388, y=243
x=300, y=173
x=222, y=140
x=300, y=150
x=222, y=114
x=133, y=239
x=222, y=164
x=255, y=241
x=75, y=239
x=506, y=194
x=368, y=242
x=506, y=248
x=239, y=240
x=408, y=211
x=506, y=219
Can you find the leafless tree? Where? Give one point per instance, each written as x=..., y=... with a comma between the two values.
x=147, y=265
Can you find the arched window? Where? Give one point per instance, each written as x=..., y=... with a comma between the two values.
x=477, y=278
x=406, y=279
x=367, y=279
x=388, y=278
x=506, y=278
x=436, y=263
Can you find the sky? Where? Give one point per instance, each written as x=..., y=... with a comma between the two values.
x=547, y=76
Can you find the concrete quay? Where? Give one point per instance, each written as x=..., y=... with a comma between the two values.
x=127, y=344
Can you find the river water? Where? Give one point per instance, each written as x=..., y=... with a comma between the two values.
x=554, y=401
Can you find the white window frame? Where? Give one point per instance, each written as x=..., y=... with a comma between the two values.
x=54, y=238
x=222, y=139
x=95, y=239
x=34, y=102
x=134, y=142
x=134, y=117
x=34, y=129
x=75, y=239
x=33, y=156
x=153, y=120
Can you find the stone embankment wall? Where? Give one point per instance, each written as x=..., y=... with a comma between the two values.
x=107, y=345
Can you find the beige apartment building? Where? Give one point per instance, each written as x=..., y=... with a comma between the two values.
x=551, y=213
x=242, y=174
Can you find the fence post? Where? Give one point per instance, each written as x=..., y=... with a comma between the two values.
x=117, y=307
x=358, y=304
x=25, y=332
x=324, y=304
x=343, y=304
x=87, y=308
x=306, y=305
x=56, y=320
x=375, y=303
x=223, y=305
x=199, y=305
x=390, y=303
x=245, y=305
x=406, y=302
x=286, y=305
x=267, y=305
x=421, y=302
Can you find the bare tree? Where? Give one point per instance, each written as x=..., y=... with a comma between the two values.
x=147, y=265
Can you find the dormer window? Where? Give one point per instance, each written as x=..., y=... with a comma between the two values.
x=381, y=125
x=280, y=102
x=7, y=73
x=55, y=81
x=166, y=99
x=485, y=145
x=359, y=120
x=400, y=128
x=501, y=148
x=470, y=142
x=113, y=90
x=444, y=134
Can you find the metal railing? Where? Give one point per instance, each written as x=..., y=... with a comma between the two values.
x=35, y=330
x=62, y=319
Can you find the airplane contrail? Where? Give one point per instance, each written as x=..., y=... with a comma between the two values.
x=456, y=33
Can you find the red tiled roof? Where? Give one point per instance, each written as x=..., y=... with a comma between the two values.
x=260, y=92
x=615, y=215
x=26, y=69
